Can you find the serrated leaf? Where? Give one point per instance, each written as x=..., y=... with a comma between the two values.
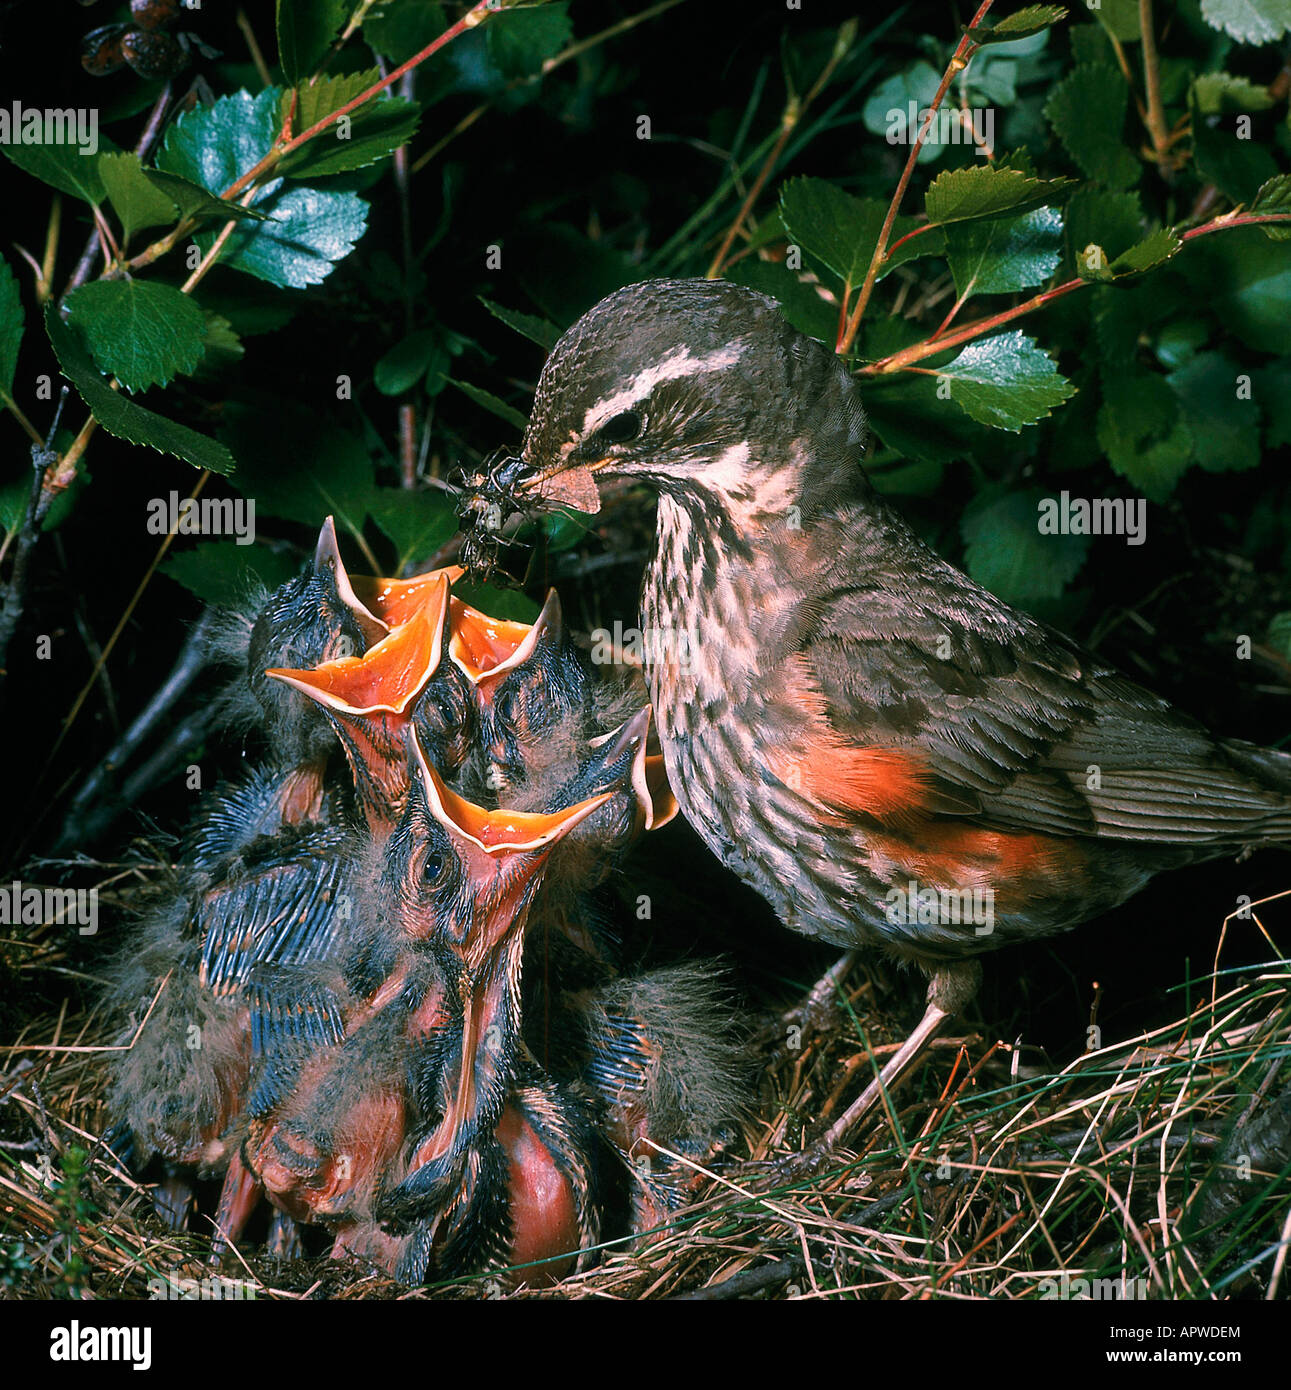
x=223, y=347
x=124, y=418
x=908, y=416
x=511, y=604
x=521, y=41
x=194, y=201
x=1219, y=92
x=11, y=326
x=138, y=331
x=1005, y=550
x=1093, y=264
x=361, y=137
x=1087, y=113
x=537, y=330
x=1245, y=281
x=1249, y=21
x=1275, y=196
x=222, y=572
x=1006, y=381
x=1020, y=25
x=297, y=464
x=799, y=302
x=841, y=231
x=213, y=146
x=400, y=28
x=1120, y=18
x=136, y=200
x=1113, y=221
x=491, y=403
x=418, y=523
x=63, y=166
x=1004, y=254
x=306, y=29
x=1223, y=416
x=960, y=195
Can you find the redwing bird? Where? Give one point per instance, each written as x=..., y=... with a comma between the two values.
x=848, y=721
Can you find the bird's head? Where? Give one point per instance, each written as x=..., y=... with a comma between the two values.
x=697, y=387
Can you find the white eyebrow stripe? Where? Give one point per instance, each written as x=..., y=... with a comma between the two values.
x=674, y=367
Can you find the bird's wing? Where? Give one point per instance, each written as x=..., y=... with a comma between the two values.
x=276, y=904
x=984, y=712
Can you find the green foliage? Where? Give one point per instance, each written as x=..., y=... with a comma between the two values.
x=1006, y=381
x=11, y=326
x=141, y=332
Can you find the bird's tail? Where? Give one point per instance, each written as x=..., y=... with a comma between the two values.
x=1270, y=767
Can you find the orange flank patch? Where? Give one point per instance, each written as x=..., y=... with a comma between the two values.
x=544, y=1214
x=1019, y=866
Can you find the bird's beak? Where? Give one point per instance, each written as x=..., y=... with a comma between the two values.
x=646, y=776
x=499, y=832
x=486, y=648
x=327, y=556
x=561, y=484
x=370, y=699
x=396, y=600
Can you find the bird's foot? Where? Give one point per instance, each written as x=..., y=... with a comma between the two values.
x=817, y=1160
x=819, y=1007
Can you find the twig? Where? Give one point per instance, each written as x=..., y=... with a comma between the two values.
x=747, y=1281
x=1155, y=119
x=959, y=60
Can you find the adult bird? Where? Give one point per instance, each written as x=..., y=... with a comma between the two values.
x=844, y=715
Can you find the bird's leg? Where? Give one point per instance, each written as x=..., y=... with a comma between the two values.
x=172, y=1199
x=238, y=1198
x=820, y=999
x=950, y=989
x=284, y=1237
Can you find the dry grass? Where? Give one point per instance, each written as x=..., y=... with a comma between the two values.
x=986, y=1178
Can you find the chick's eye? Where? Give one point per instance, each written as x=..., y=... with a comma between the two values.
x=621, y=428
x=432, y=867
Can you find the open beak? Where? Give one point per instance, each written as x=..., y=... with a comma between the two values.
x=396, y=600
x=327, y=555
x=487, y=648
x=645, y=774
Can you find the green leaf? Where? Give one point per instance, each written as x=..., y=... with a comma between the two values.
x=1141, y=432
x=1275, y=196
x=410, y=359
x=1120, y=18
x=521, y=41
x=1005, y=550
x=306, y=29
x=491, y=403
x=960, y=195
x=1249, y=21
x=1113, y=221
x=1004, y=254
x=11, y=326
x=1245, y=280
x=908, y=415
x=141, y=332
x=298, y=464
x=1087, y=113
x=841, y=232
x=359, y=138
x=1152, y=251
x=1219, y=93
x=1019, y=25
x=194, y=201
x=538, y=330
x=1216, y=404
x=223, y=346
x=124, y=418
x=400, y=28
x=63, y=166
x=418, y=523
x=887, y=109
x=1235, y=166
x=1005, y=381
x=223, y=572
x=137, y=201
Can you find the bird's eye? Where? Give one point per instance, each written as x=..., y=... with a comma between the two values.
x=432, y=867
x=621, y=428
